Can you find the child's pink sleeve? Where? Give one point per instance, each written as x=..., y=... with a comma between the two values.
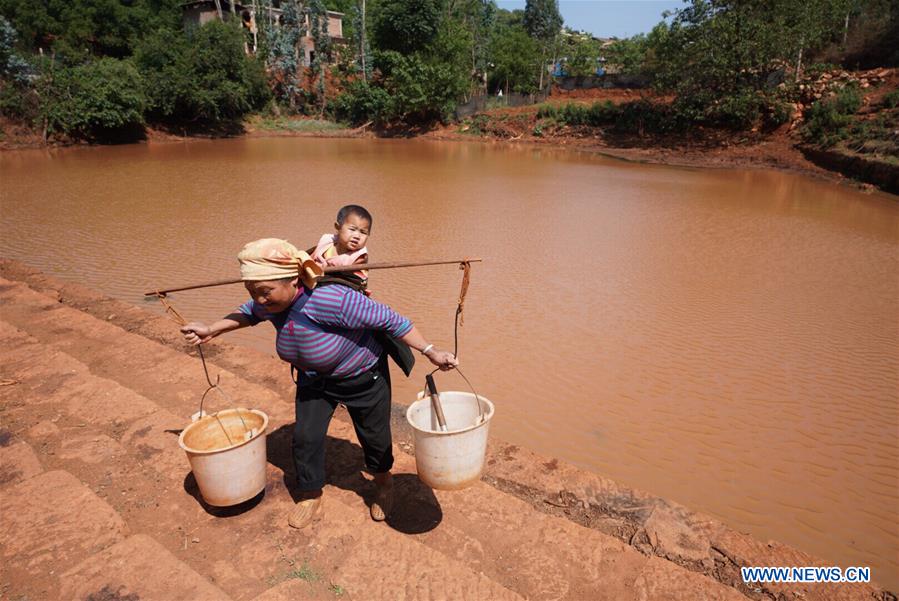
x=360, y=256
x=345, y=259
x=348, y=259
x=326, y=241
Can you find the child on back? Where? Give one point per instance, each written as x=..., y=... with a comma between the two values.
x=346, y=247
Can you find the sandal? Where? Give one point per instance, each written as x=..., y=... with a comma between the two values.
x=382, y=503
x=305, y=513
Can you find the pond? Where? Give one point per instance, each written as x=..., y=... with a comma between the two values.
x=728, y=339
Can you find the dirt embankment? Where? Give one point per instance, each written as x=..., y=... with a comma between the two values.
x=782, y=148
x=99, y=503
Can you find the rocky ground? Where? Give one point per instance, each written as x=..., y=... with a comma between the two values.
x=97, y=501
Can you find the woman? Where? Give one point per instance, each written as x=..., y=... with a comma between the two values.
x=327, y=333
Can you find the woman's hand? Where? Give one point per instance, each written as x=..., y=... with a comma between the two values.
x=197, y=333
x=445, y=360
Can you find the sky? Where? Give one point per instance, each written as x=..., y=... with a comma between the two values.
x=608, y=18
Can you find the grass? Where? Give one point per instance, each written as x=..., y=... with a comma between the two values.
x=337, y=590
x=298, y=125
x=306, y=573
x=891, y=100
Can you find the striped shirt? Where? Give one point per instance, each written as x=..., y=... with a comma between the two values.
x=329, y=330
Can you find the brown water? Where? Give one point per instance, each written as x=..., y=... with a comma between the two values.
x=222, y=430
x=726, y=339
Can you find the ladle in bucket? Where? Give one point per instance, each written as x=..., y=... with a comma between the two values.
x=435, y=402
x=450, y=457
x=437, y=407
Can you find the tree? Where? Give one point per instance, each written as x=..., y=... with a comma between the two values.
x=515, y=55
x=543, y=22
x=17, y=98
x=13, y=68
x=811, y=23
x=479, y=18
x=426, y=85
x=203, y=78
x=627, y=55
x=582, y=54
x=283, y=43
x=81, y=28
x=406, y=26
x=718, y=55
x=318, y=25
x=360, y=39
x=94, y=100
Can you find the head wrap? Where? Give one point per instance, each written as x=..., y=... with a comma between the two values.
x=274, y=259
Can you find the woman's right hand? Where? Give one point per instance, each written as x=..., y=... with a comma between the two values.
x=197, y=333
x=445, y=360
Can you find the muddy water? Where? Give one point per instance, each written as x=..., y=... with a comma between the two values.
x=727, y=339
x=223, y=430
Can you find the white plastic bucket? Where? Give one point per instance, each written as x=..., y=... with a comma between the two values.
x=228, y=469
x=453, y=459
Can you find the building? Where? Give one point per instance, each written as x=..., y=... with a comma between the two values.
x=199, y=12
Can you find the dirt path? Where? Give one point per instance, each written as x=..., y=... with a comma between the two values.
x=98, y=501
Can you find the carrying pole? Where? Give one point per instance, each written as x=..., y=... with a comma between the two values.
x=329, y=269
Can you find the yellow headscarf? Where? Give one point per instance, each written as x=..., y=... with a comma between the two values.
x=274, y=259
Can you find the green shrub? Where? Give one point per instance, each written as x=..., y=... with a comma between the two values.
x=595, y=115
x=876, y=136
x=546, y=111
x=93, y=100
x=779, y=112
x=891, y=100
x=848, y=100
x=573, y=114
x=18, y=102
x=361, y=102
x=828, y=119
x=602, y=113
x=817, y=69
x=203, y=78
x=477, y=125
x=643, y=116
x=740, y=111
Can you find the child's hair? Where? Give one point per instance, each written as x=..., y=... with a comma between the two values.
x=348, y=210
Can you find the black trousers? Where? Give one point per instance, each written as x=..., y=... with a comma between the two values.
x=367, y=399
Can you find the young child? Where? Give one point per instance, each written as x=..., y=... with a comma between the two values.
x=346, y=247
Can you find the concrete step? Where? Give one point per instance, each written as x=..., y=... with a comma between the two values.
x=537, y=555
x=486, y=529
x=133, y=460
x=137, y=568
x=172, y=379
x=51, y=522
x=368, y=560
x=17, y=461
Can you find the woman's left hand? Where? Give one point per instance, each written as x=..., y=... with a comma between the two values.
x=445, y=360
